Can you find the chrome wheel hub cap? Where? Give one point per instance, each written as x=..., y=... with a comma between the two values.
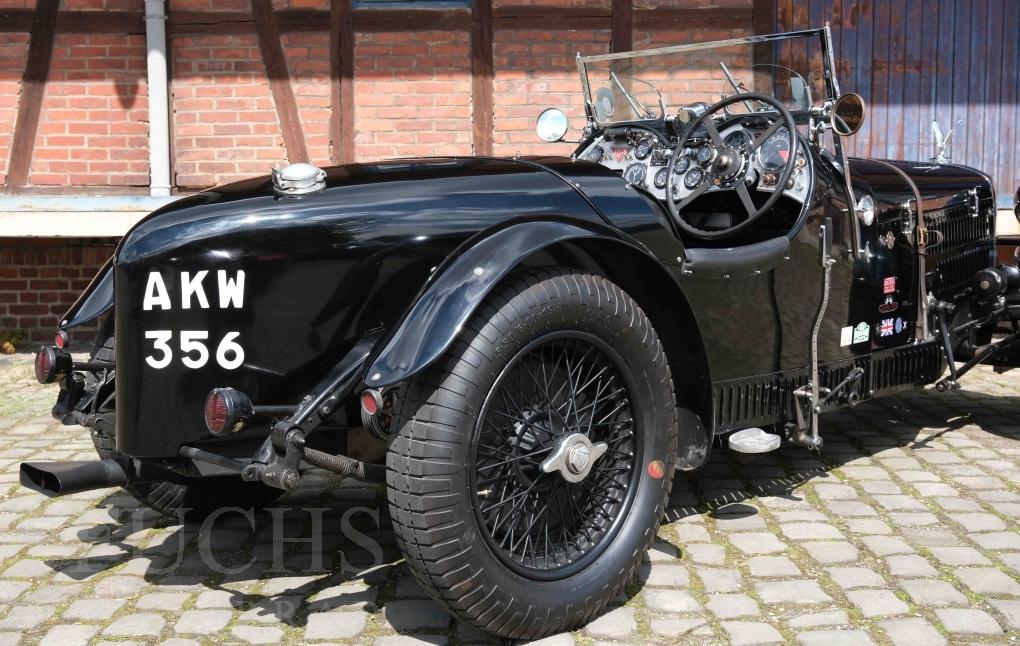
x=574, y=457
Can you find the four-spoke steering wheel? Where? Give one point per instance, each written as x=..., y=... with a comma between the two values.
x=729, y=167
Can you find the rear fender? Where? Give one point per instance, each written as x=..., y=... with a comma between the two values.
x=436, y=318
x=96, y=300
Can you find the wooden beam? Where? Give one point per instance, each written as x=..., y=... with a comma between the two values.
x=376, y=20
x=546, y=19
x=623, y=26
x=481, y=77
x=279, y=80
x=33, y=86
x=763, y=17
x=674, y=18
x=94, y=22
x=341, y=82
x=382, y=20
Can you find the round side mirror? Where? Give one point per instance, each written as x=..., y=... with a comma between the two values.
x=551, y=125
x=848, y=114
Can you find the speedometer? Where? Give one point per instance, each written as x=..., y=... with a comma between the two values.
x=643, y=148
x=775, y=152
x=738, y=140
x=635, y=174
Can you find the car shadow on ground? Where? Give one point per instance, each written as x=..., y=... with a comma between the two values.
x=329, y=546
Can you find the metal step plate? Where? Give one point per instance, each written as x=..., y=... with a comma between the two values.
x=754, y=440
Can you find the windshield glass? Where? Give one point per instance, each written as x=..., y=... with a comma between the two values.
x=649, y=84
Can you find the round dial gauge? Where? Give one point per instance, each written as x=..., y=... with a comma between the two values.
x=681, y=165
x=738, y=140
x=661, y=177
x=706, y=154
x=595, y=154
x=775, y=152
x=693, y=178
x=635, y=174
x=643, y=148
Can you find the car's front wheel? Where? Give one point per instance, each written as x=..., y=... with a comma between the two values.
x=532, y=464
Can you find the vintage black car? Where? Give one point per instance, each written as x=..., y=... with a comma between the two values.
x=537, y=344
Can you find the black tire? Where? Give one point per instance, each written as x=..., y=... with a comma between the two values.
x=194, y=500
x=452, y=540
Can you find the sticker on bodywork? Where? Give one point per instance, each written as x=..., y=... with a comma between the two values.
x=890, y=305
x=862, y=333
x=885, y=328
x=846, y=336
x=889, y=285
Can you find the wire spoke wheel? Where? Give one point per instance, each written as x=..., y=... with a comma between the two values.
x=555, y=455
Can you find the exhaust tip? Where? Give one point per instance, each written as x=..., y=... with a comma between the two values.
x=54, y=479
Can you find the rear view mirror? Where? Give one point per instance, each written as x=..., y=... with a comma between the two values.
x=551, y=125
x=848, y=114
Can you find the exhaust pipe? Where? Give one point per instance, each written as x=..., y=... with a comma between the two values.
x=62, y=478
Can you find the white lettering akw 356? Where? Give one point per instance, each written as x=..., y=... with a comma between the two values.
x=192, y=343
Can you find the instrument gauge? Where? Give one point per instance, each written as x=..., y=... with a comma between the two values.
x=693, y=178
x=775, y=152
x=738, y=140
x=643, y=148
x=635, y=174
x=681, y=165
x=661, y=177
x=595, y=154
x=705, y=155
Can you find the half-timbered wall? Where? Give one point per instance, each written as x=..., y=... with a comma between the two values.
x=255, y=82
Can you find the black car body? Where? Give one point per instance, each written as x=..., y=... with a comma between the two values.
x=292, y=320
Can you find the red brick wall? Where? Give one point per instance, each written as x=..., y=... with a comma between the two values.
x=224, y=119
x=41, y=278
x=412, y=94
x=93, y=129
x=412, y=97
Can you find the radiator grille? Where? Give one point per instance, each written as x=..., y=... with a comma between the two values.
x=968, y=245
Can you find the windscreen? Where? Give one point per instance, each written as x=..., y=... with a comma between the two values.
x=648, y=84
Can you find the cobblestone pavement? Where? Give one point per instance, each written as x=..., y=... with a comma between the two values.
x=904, y=531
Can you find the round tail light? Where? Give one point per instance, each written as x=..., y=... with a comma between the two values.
x=371, y=402
x=226, y=411
x=51, y=365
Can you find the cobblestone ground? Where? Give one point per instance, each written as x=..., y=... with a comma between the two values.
x=905, y=531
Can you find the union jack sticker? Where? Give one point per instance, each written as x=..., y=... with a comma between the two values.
x=885, y=328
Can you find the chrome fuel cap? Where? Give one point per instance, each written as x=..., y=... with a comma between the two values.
x=298, y=179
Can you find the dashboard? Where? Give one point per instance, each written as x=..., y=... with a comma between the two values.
x=641, y=156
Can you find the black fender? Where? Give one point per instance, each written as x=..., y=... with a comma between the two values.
x=435, y=319
x=96, y=300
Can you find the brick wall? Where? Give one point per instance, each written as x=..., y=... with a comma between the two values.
x=93, y=129
x=41, y=278
x=412, y=92
x=412, y=97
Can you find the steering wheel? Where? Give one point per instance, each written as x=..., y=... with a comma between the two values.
x=729, y=166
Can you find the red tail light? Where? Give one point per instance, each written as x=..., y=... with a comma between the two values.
x=51, y=365
x=371, y=401
x=226, y=411
x=216, y=412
